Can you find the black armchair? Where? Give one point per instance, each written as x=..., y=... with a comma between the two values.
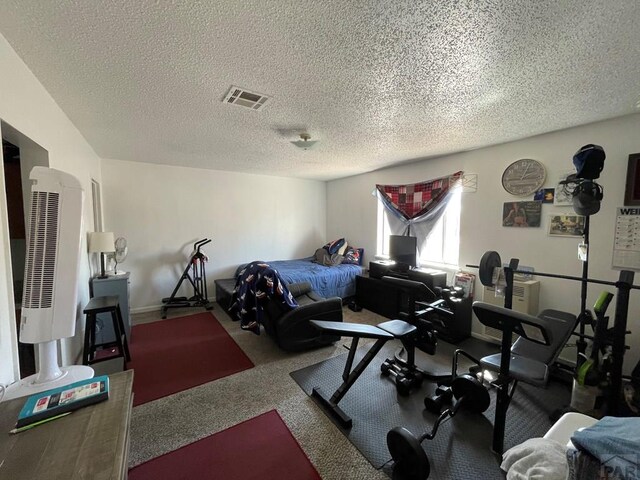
x=291, y=329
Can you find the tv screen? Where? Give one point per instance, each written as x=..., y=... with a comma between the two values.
x=402, y=249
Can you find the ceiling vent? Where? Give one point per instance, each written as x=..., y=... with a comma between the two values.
x=245, y=98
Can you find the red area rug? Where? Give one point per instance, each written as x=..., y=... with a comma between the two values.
x=261, y=448
x=172, y=355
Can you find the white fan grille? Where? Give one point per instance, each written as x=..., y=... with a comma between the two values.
x=41, y=252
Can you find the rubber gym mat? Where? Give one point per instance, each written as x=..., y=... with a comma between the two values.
x=462, y=446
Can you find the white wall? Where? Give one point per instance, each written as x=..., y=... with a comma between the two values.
x=28, y=107
x=481, y=228
x=161, y=210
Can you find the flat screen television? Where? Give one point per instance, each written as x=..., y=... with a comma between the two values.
x=402, y=249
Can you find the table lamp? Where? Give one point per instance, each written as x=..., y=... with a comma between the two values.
x=101, y=242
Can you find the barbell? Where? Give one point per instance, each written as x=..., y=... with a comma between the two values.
x=491, y=260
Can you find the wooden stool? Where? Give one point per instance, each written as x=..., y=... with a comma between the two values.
x=95, y=306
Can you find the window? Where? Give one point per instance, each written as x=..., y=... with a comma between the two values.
x=443, y=243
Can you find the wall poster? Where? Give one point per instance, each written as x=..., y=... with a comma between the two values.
x=562, y=194
x=521, y=214
x=561, y=225
x=626, y=243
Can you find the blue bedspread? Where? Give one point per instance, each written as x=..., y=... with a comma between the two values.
x=334, y=281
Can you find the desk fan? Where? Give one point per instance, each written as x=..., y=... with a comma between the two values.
x=120, y=254
x=50, y=294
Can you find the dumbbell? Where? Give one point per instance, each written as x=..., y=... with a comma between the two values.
x=435, y=403
x=404, y=378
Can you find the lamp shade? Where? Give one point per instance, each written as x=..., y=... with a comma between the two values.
x=101, y=242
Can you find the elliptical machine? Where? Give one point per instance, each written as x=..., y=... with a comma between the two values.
x=198, y=280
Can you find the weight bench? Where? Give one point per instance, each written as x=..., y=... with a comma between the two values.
x=529, y=358
x=382, y=333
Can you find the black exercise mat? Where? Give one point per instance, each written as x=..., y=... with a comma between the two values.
x=462, y=447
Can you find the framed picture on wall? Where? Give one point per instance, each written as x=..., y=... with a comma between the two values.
x=562, y=193
x=632, y=190
x=561, y=225
x=521, y=214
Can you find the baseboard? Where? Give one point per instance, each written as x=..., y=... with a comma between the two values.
x=151, y=308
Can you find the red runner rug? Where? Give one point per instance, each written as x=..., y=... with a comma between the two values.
x=261, y=448
x=169, y=356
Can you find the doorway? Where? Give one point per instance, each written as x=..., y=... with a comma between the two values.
x=18, y=243
x=19, y=155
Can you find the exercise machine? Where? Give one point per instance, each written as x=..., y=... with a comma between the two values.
x=528, y=360
x=491, y=263
x=195, y=273
x=415, y=332
x=426, y=317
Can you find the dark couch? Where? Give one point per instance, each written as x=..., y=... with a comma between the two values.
x=290, y=328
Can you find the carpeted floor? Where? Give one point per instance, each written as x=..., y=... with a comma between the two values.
x=166, y=424
x=258, y=449
x=180, y=353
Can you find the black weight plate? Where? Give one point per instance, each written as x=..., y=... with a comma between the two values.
x=489, y=261
x=410, y=460
x=477, y=398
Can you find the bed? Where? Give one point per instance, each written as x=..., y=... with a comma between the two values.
x=333, y=281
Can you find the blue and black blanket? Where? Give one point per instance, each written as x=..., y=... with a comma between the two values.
x=257, y=284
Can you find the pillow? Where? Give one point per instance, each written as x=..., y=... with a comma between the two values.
x=353, y=256
x=335, y=246
x=325, y=258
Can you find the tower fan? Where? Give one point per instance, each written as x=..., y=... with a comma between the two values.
x=50, y=294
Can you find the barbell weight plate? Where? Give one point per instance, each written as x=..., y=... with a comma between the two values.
x=410, y=460
x=488, y=262
x=476, y=396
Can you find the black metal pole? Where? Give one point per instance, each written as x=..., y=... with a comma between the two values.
x=508, y=274
x=581, y=344
x=502, y=398
x=619, y=333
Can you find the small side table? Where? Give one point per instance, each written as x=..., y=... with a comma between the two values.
x=97, y=305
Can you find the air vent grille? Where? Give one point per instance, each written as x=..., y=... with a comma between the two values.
x=245, y=98
x=41, y=253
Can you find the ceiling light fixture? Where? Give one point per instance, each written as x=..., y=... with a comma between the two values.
x=305, y=141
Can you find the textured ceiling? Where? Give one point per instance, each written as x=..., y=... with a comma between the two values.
x=375, y=82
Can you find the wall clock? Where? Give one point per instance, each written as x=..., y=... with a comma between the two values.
x=523, y=177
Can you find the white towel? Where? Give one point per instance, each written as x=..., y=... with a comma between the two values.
x=536, y=459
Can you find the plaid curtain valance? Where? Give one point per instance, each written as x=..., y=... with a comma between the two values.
x=414, y=200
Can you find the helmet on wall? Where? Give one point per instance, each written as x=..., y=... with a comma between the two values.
x=589, y=161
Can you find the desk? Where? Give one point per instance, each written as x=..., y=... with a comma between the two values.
x=92, y=443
